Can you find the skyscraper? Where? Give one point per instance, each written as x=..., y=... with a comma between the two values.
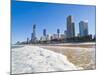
x=83, y=28
x=27, y=40
x=73, y=29
x=33, y=35
x=70, y=27
x=44, y=32
x=65, y=33
x=58, y=32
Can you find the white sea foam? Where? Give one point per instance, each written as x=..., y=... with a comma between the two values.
x=31, y=59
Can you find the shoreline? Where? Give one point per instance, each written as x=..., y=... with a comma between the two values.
x=81, y=55
x=33, y=59
x=84, y=44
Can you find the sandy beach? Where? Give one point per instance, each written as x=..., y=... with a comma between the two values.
x=82, y=55
x=47, y=58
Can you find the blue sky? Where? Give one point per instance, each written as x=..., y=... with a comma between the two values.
x=47, y=15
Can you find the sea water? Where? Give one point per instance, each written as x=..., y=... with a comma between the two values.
x=16, y=46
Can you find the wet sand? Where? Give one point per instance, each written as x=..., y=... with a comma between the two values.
x=80, y=55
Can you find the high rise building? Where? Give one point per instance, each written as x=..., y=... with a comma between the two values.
x=65, y=33
x=27, y=40
x=33, y=35
x=73, y=29
x=58, y=32
x=70, y=27
x=83, y=28
x=62, y=36
x=44, y=37
x=54, y=36
x=44, y=32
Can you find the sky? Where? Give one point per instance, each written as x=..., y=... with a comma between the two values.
x=51, y=16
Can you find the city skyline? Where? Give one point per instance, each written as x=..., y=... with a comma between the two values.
x=70, y=32
x=43, y=21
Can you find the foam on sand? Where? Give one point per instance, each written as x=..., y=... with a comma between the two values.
x=31, y=59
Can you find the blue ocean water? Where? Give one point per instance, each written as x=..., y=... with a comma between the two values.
x=16, y=46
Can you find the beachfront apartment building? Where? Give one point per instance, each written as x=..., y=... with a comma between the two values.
x=83, y=28
x=70, y=27
x=33, y=34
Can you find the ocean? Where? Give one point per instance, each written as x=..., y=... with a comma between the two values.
x=16, y=46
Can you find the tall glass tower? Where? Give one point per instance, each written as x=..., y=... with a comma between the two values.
x=33, y=35
x=58, y=33
x=83, y=28
x=44, y=32
x=70, y=27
